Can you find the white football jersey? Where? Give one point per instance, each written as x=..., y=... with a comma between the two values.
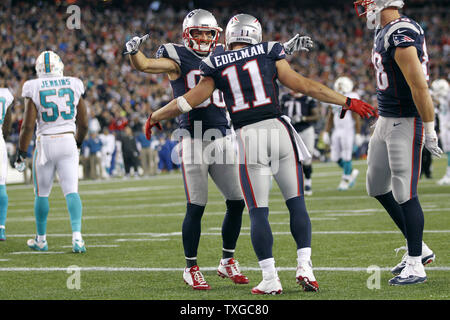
x=6, y=99
x=444, y=113
x=56, y=100
x=347, y=123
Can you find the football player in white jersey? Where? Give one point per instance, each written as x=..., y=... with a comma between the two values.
x=346, y=133
x=440, y=92
x=54, y=103
x=6, y=99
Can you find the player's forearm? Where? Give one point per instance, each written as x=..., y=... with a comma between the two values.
x=25, y=136
x=424, y=103
x=139, y=61
x=323, y=93
x=169, y=111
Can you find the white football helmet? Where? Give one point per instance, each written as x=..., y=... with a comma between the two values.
x=200, y=19
x=440, y=89
x=243, y=28
x=343, y=85
x=371, y=8
x=49, y=64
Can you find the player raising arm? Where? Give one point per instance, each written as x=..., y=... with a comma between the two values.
x=246, y=75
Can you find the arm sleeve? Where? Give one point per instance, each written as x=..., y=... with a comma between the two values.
x=27, y=90
x=275, y=51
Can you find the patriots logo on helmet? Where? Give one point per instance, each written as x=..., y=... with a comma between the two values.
x=400, y=38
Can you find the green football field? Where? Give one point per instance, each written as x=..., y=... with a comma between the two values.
x=132, y=230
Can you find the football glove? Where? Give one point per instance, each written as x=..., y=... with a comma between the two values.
x=19, y=164
x=298, y=43
x=132, y=46
x=362, y=108
x=431, y=143
x=149, y=126
x=358, y=140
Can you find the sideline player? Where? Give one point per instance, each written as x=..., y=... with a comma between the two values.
x=303, y=112
x=346, y=133
x=406, y=110
x=246, y=74
x=54, y=103
x=6, y=99
x=440, y=93
x=181, y=63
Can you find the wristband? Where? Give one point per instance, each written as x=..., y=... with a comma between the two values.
x=183, y=105
x=429, y=127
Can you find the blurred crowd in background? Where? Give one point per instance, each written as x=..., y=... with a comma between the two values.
x=120, y=98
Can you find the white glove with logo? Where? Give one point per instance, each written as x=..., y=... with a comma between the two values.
x=298, y=43
x=132, y=46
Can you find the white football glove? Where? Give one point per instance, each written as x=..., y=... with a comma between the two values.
x=298, y=43
x=20, y=164
x=431, y=143
x=132, y=46
x=326, y=138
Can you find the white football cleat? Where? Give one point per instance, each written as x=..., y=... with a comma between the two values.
x=343, y=185
x=305, y=277
x=445, y=181
x=231, y=270
x=428, y=256
x=193, y=277
x=269, y=285
x=353, y=176
x=36, y=245
x=412, y=273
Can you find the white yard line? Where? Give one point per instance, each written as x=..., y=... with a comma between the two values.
x=131, y=269
x=178, y=233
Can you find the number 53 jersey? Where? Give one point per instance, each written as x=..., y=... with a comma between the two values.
x=56, y=100
x=247, y=77
x=393, y=93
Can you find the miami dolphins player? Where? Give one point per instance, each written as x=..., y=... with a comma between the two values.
x=6, y=99
x=181, y=63
x=54, y=104
x=440, y=92
x=405, y=125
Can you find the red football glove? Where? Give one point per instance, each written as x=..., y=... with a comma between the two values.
x=149, y=126
x=365, y=110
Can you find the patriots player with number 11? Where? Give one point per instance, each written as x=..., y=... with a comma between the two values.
x=406, y=110
x=246, y=73
x=55, y=104
x=181, y=63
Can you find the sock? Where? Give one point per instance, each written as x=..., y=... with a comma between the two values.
x=191, y=230
x=75, y=210
x=76, y=236
x=308, y=183
x=340, y=162
x=300, y=223
x=268, y=267
x=3, y=204
x=393, y=208
x=261, y=233
x=41, y=209
x=414, y=223
x=231, y=226
x=307, y=170
x=42, y=237
x=348, y=168
x=303, y=255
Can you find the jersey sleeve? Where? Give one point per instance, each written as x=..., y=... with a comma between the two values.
x=168, y=51
x=207, y=68
x=78, y=87
x=403, y=34
x=27, y=89
x=9, y=98
x=275, y=51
